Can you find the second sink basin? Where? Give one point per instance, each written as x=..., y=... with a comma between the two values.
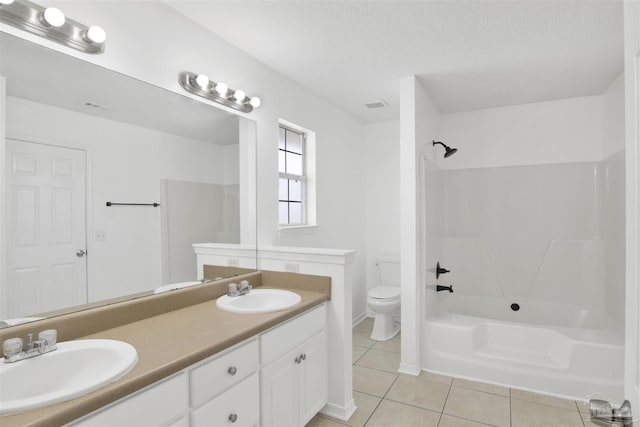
x=259, y=301
x=74, y=369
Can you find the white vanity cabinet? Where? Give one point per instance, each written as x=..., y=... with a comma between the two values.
x=278, y=378
x=157, y=405
x=219, y=391
x=294, y=376
x=225, y=391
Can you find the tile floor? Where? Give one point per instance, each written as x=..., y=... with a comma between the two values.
x=386, y=399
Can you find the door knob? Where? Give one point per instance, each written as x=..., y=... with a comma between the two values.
x=81, y=253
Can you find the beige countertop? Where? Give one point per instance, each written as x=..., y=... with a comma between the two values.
x=167, y=343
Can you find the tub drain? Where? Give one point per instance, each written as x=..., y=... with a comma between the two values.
x=515, y=307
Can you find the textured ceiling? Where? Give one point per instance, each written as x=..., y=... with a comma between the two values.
x=468, y=54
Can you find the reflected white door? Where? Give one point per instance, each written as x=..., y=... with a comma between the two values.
x=46, y=242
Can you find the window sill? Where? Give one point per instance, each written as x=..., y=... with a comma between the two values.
x=296, y=230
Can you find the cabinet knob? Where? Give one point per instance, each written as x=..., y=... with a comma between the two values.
x=233, y=418
x=304, y=356
x=298, y=360
x=232, y=370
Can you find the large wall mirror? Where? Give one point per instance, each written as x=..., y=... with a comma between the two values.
x=79, y=136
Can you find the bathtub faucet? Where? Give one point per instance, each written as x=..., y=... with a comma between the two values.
x=444, y=288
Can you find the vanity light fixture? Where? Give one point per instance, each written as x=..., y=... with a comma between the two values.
x=199, y=84
x=51, y=23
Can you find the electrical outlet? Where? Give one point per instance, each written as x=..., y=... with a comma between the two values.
x=232, y=262
x=291, y=268
x=101, y=236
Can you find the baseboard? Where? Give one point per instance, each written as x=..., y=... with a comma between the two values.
x=405, y=368
x=359, y=318
x=342, y=413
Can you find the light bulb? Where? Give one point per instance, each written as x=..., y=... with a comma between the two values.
x=222, y=89
x=239, y=95
x=53, y=16
x=5, y=2
x=255, y=102
x=96, y=34
x=202, y=81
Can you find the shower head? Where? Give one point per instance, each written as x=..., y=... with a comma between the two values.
x=448, y=150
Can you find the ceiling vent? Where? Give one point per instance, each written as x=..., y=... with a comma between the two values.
x=381, y=103
x=97, y=106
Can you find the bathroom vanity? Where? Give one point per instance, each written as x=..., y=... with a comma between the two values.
x=282, y=371
x=199, y=365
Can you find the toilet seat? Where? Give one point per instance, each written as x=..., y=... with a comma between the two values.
x=386, y=293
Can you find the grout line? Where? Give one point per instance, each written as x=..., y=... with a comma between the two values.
x=545, y=404
x=483, y=391
x=510, y=409
x=381, y=400
x=469, y=419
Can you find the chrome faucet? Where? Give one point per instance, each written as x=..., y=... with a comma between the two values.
x=236, y=290
x=14, y=349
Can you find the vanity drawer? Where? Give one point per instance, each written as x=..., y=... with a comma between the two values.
x=150, y=407
x=213, y=377
x=282, y=339
x=238, y=407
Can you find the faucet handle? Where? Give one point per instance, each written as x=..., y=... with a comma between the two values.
x=12, y=346
x=50, y=336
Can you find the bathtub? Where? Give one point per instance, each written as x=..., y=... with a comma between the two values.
x=544, y=347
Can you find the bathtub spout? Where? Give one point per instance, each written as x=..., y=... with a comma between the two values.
x=444, y=288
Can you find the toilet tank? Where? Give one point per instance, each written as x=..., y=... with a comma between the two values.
x=388, y=271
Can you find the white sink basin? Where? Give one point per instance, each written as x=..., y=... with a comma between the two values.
x=74, y=369
x=259, y=301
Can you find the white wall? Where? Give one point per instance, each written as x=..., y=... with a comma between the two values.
x=140, y=45
x=632, y=193
x=382, y=161
x=562, y=131
x=419, y=123
x=126, y=164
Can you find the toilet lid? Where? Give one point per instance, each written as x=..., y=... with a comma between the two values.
x=385, y=292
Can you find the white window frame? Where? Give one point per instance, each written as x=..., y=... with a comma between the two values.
x=308, y=178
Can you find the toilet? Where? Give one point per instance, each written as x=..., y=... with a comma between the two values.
x=384, y=300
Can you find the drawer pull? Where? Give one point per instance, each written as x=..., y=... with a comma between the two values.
x=232, y=370
x=233, y=418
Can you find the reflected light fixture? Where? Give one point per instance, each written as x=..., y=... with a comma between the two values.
x=51, y=24
x=199, y=84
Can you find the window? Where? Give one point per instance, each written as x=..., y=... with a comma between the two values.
x=291, y=167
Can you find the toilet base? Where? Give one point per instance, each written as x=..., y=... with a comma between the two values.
x=384, y=327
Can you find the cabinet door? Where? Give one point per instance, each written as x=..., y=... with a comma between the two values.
x=278, y=396
x=313, y=377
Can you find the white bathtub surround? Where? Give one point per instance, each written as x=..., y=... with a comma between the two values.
x=335, y=263
x=567, y=357
x=528, y=211
x=506, y=241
